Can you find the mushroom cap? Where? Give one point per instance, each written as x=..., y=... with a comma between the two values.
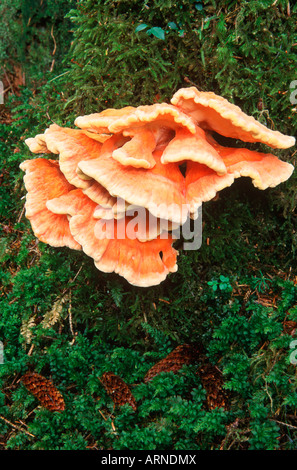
x=265, y=170
x=72, y=145
x=202, y=184
x=106, y=213
x=160, y=190
x=113, y=121
x=126, y=178
x=71, y=203
x=141, y=264
x=213, y=112
x=145, y=128
x=138, y=151
x=98, y=123
x=187, y=146
x=99, y=194
x=44, y=181
x=37, y=144
x=114, y=246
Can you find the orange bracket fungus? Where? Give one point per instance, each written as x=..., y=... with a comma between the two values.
x=120, y=184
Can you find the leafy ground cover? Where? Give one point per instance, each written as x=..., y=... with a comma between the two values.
x=233, y=301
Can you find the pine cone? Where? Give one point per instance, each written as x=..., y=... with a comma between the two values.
x=118, y=390
x=44, y=391
x=290, y=327
x=212, y=381
x=184, y=354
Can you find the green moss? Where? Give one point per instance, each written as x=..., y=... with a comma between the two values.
x=63, y=318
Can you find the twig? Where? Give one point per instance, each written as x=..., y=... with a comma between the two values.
x=284, y=424
x=17, y=427
x=77, y=273
x=187, y=80
x=55, y=48
x=55, y=44
x=105, y=419
x=58, y=76
x=71, y=280
x=7, y=78
x=70, y=317
x=21, y=215
x=166, y=301
x=7, y=89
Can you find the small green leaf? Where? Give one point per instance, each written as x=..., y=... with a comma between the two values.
x=157, y=32
x=199, y=6
x=140, y=27
x=172, y=25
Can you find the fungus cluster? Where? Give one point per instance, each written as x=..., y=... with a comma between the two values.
x=161, y=161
